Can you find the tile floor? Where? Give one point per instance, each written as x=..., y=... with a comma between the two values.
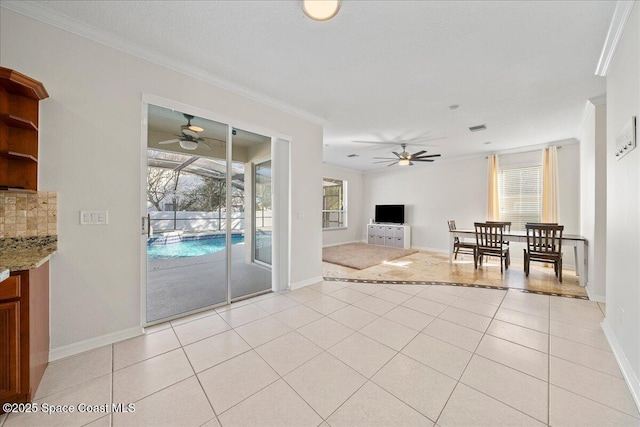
x=352, y=354
x=434, y=266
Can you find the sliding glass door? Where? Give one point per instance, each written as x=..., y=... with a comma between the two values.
x=250, y=274
x=208, y=238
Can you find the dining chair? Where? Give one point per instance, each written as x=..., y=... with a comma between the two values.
x=490, y=242
x=507, y=228
x=463, y=247
x=544, y=244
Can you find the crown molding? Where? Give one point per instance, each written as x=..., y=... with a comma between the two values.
x=616, y=29
x=63, y=22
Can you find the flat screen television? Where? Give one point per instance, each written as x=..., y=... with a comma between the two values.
x=390, y=214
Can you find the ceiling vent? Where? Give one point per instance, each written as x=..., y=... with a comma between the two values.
x=353, y=155
x=477, y=128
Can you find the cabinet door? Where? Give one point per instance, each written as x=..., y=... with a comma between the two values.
x=380, y=240
x=398, y=242
x=379, y=230
x=388, y=241
x=398, y=231
x=9, y=350
x=371, y=240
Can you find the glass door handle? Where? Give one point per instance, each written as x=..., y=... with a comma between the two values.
x=145, y=227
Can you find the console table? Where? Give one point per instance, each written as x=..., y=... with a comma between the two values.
x=392, y=235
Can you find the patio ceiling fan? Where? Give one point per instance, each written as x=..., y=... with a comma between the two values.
x=189, y=137
x=406, y=159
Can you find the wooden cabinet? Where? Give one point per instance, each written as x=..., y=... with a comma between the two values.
x=19, y=103
x=396, y=236
x=24, y=333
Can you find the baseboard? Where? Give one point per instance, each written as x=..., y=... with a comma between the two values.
x=93, y=343
x=627, y=370
x=343, y=243
x=306, y=282
x=594, y=297
x=439, y=250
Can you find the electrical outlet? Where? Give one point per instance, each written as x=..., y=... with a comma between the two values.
x=94, y=217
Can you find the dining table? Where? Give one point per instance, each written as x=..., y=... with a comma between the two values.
x=578, y=243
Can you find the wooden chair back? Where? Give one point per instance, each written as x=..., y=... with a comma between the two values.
x=507, y=224
x=452, y=227
x=489, y=235
x=544, y=240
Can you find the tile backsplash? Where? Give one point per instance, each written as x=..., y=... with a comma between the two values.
x=28, y=214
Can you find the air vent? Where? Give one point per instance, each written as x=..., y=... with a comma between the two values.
x=477, y=128
x=353, y=155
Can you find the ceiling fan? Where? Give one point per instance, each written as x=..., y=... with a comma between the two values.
x=406, y=159
x=189, y=137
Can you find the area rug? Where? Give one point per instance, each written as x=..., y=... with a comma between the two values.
x=362, y=255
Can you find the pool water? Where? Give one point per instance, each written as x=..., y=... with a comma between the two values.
x=189, y=248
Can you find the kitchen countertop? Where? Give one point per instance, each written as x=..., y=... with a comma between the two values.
x=25, y=253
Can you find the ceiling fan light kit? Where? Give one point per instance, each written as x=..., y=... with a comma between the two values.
x=188, y=144
x=321, y=10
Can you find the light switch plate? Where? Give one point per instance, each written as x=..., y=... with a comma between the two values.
x=94, y=217
x=626, y=139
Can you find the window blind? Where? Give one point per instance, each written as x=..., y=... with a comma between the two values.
x=520, y=193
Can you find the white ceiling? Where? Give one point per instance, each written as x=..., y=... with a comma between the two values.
x=388, y=70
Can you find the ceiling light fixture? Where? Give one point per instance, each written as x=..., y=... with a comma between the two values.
x=188, y=145
x=321, y=10
x=404, y=162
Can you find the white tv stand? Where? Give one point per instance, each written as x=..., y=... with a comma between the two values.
x=392, y=235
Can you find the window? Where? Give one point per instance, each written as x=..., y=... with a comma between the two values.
x=520, y=190
x=334, y=203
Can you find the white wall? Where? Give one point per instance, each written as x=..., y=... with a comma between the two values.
x=593, y=195
x=90, y=145
x=623, y=205
x=432, y=194
x=355, y=226
x=457, y=189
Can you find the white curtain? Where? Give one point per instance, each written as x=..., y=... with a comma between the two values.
x=493, y=200
x=550, y=184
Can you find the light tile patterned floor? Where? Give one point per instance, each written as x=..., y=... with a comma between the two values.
x=425, y=266
x=353, y=354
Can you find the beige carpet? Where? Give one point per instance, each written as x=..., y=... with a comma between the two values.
x=362, y=255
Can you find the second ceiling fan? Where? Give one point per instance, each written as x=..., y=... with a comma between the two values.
x=189, y=138
x=406, y=159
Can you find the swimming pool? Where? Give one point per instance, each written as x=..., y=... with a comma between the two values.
x=189, y=247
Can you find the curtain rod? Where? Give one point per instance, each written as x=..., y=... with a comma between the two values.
x=526, y=151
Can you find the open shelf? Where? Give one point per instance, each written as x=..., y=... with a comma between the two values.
x=17, y=122
x=19, y=109
x=19, y=84
x=18, y=156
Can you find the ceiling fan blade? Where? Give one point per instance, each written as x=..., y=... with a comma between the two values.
x=392, y=164
x=170, y=141
x=204, y=146
x=399, y=156
x=430, y=155
x=414, y=155
x=383, y=161
x=421, y=160
x=387, y=158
